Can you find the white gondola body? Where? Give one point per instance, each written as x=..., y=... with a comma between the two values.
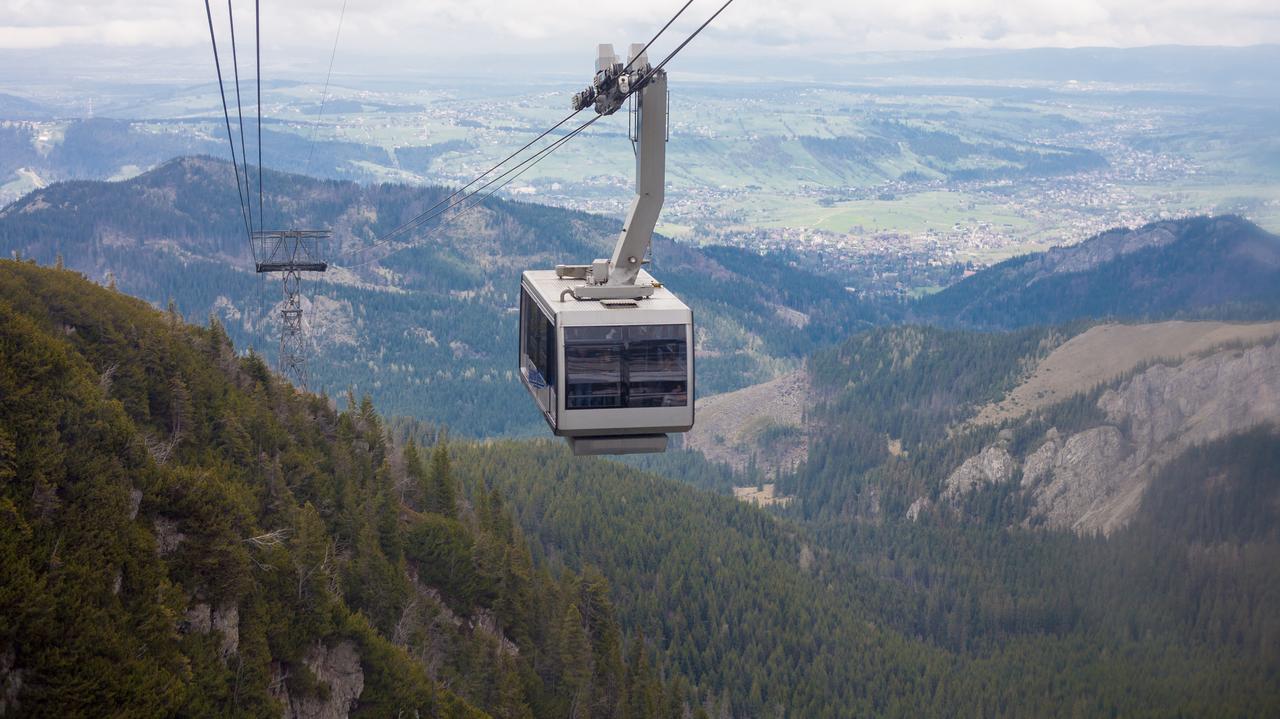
x=606, y=369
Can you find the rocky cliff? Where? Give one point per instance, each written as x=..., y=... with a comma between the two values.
x=1093, y=480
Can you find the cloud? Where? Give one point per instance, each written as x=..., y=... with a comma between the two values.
x=809, y=27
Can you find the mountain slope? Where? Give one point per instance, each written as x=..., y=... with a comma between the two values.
x=212, y=542
x=900, y=618
x=427, y=324
x=1222, y=267
x=184, y=534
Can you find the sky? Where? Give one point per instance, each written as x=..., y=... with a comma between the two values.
x=300, y=33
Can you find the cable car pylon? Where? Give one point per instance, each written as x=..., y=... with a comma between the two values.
x=290, y=253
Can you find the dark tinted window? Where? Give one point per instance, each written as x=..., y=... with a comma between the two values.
x=626, y=367
x=537, y=341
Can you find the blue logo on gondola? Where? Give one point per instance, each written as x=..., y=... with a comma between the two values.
x=535, y=378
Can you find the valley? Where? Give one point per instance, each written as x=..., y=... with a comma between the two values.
x=895, y=184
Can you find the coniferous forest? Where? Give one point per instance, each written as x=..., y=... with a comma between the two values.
x=186, y=535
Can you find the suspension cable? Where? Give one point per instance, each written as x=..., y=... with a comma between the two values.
x=432, y=213
x=523, y=167
x=657, y=35
x=257, y=41
x=324, y=95
x=428, y=214
x=244, y=154
x=408, y=223
x=414, y=222
x=226, y=115
x=687, y=40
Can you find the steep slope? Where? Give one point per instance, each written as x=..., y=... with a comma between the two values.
x=1072, y=423
x=423, y=326
x=1220, y=267
x=773, y=618
x=186, y=535
x=183, y=534
x=760, y=425
x=1093, y=479
x=1105, y=352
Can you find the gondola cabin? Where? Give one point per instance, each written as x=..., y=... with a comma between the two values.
x=612, y=376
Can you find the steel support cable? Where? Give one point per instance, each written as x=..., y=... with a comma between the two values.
x=449, y=201
x=226, y=115
x=523, y=167
x=405, y=226
x=426, y=216
x=257, y=41
x=324, y=95
x=244, y=149
x=527, y=165
x=535, y=158
x=681, y=46
x=409, y=224
x=657, y=35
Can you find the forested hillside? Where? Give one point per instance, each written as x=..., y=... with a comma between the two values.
x=888, y=617
x=188, y=535
x=421, y=327
x=184, y=534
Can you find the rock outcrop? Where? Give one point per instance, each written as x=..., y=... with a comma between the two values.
x=1084, y=484
x=337, y=667
x=993, y=465
x=202, y=618
x=10, y=683
x=1093, y=481
x=1098, y=251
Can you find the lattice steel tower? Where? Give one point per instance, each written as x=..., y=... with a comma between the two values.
x=290, y=253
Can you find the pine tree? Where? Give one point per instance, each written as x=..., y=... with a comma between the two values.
x=442, y=497
x=418, y=478
x=575, y=662
x=511, y=702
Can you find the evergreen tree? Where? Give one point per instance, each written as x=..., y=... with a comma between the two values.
x=442, y=497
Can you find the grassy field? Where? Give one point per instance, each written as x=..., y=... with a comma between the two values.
x=912, y=214
x=1105, y=352
x=1259, y=202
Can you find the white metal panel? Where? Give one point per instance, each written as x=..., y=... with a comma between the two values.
x=663, y=308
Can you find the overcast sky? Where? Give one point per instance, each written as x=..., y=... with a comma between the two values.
x=303, y=30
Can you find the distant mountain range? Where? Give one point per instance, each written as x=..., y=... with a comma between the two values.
x=1220, y=267
x=13, y=107
x=423, y=325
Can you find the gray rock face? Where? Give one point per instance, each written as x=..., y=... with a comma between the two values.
x=1039, y=464
x=1093, y=481
x=167, y=536
x=993, y=465
x=918, y=507
x=226, y=619
x=1087, y=481
x=338, y=667
x=201, y=618
x=1199, y=400
x=10, y=683
x=1100, y=250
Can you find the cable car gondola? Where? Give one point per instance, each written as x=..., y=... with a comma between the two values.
x=605, y=350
